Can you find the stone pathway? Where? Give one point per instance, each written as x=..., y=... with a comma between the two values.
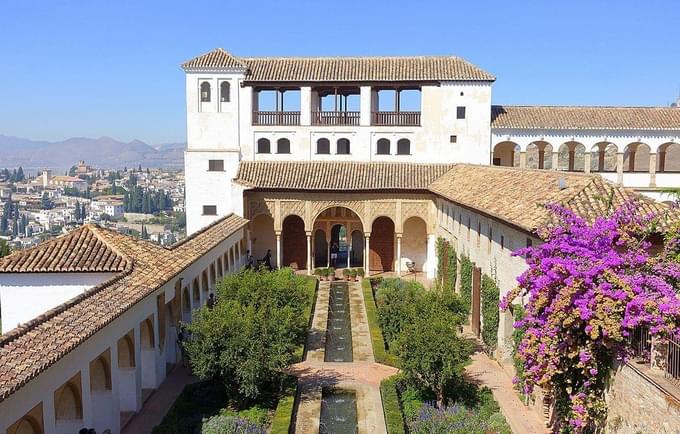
x=362, y=375
x=159, y=403
x=489, y=373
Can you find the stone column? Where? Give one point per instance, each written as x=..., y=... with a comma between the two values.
x=367, y=252
x=365, y=106
x=555, y=160
x=522, y=159
x=309, y=253
x=586, y=162
x=305, y=105
x=431, y=257
x=278, y=249
x=619, y=168
x=399, y=254
x=652, y=170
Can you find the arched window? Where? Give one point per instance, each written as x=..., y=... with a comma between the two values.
x=343, y=146
x=404, y=147
x=323, y=146
x=205, y=92
x=224, y=91
x=283, y=146
x=263, y=146
x=383, y=147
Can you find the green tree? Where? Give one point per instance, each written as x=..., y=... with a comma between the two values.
x=4, y=248
x=20, y=174
x=432, y=354
x=252, y=332
x=46, y=203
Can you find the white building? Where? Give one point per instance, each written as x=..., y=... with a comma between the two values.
x=398, y=109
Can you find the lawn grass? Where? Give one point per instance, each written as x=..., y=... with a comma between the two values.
x=380, y=352
x=312, y=290
x=394, y=419
x=283, y=416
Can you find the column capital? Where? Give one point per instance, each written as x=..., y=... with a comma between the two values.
x=399, y=235
x=277, y=233
x=367, y=235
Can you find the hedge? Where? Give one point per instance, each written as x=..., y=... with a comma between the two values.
x=379, y=349
x=466, y=281
x=394, y=418
x=312, y=286
x=490, y=311
x=446, y=264
x=283, y=416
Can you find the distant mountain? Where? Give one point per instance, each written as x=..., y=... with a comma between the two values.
x=103, y=152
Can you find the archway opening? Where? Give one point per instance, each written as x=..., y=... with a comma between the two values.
x=603, y=157
x=294, y=243
x=414, y=243
x=381, y=256
x=333, y=229
x=668, y=158
x=539, y=155
x=320, y=249
x=506, y=154
x=357, y=251
x=571, y=157
x=264, y=237
x=636, y=157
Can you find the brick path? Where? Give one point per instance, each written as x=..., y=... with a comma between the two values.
x=489, y=373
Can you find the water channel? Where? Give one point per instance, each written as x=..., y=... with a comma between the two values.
x=339, y=326
x=338, y=412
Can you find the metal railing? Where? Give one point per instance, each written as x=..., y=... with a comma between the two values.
x=672, y=368
x=640, y=343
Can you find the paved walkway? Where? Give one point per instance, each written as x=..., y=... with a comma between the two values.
x=489, y=373
x=159, y=403
x=362, y=376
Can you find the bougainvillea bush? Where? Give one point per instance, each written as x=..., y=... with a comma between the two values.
x=588, y=286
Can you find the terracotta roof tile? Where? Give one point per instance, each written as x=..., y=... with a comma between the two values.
x=334, y=175
x=31, y=348
x=82, y=250
x=579, y=118
x=519, y=196
x=418, y=68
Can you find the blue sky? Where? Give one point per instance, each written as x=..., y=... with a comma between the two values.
x=95, y=68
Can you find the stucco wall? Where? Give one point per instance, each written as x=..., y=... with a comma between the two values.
x=23, y=296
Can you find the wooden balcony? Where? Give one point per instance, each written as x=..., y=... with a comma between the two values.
x=335, y=118
x=411, y=119
x=276, y=118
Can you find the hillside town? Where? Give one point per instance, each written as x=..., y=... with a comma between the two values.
x=142, y=202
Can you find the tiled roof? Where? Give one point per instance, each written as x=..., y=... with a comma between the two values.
x=518, y=196
x=319, y=69
x=30, y=349
x=334, y=175
x=82, y=250
x=581, y=118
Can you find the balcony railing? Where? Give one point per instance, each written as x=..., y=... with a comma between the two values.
x=335, y=118
x=276, y=118
x=396, y=118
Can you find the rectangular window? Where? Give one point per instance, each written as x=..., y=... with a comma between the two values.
x=479, y=233
x=453, y=139
x=490, y=237
x=530, y=242
x=469, y=226
x=460, y=112
x=209, y=210
x=502, y=242
x=216, y=165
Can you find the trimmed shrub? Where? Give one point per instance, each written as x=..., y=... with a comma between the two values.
x=222, y=424
x=490, y=311
x=283, y=416
x=390, y=400
x=379, y=348
x=466, y=281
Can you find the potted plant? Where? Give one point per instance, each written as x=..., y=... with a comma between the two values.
x=346, y=273
x=353, y=273
x=317, y=273
x=324, y=274
x=360, y=272
x=331, y=274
